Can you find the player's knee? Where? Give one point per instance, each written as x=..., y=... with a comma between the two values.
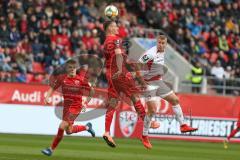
x=151, y=112
x=64, y=125
x=135, y=97
x=151, y=109
x=68, y=132
x=113, y=102
x=175, y=101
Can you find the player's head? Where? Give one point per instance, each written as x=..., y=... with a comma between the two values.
x=110, y=27
x=71, y=67
x=161, y=42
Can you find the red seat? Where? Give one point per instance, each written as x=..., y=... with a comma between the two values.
x=29, y=78
x=37, y=67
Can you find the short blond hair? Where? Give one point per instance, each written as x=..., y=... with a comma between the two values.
x=162, y=37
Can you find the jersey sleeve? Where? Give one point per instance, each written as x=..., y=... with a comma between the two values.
x=86, y=85
x=56, y=81
x=84, y=78
x=117, y=43
x=145, y=58
x=113, y=43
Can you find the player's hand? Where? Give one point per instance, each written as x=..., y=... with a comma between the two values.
x=46, y=100
x=117, y=74
x=144, y=84
x=84, y=107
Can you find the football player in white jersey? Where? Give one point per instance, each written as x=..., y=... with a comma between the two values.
x=156, y=87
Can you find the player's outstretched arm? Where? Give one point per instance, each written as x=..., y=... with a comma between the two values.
x=119, y=60
x=91, y=93
x=49, y=94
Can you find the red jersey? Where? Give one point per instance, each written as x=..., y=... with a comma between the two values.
x=72, y=88
x=110, y=44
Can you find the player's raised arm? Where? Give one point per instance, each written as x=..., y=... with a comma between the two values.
x=89, y=97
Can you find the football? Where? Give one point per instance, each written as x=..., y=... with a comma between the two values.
x=111, y=11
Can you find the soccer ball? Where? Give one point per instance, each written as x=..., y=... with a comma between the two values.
x=111, y=11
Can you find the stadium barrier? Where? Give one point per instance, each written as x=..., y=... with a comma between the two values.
x=23, y=111
x=215, y=116
x=215, y=86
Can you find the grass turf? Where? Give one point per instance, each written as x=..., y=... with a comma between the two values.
x=27, y=147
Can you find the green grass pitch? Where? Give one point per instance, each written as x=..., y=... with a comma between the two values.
x=27, y=147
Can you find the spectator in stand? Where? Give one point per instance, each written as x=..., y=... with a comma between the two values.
x=219, y=73
x=5, y=60
x=4, y=34
x=48, y=32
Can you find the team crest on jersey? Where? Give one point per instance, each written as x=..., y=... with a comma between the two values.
x=77, y=82
x=128, y=121
x=145, y=58
x=117, y=42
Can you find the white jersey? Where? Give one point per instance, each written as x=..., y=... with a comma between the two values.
x=155, y=63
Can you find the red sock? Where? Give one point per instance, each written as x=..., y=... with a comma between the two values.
x=140, y=109
x=57, y=138
x=78, y=128
x=108, y=118
x=232, y=134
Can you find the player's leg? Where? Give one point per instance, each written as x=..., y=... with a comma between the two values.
x=147, y=123
x=232, y=134
x=145, y=118
x=128, y=87
x=57, y=139
x=151, y=102
x=111, y=108
x=70, y=118
x=152, y=109
x=79, y=128
x=138, y=105
x=174, y=101
x=167, y=94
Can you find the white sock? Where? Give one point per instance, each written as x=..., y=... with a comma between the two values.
x=178, y=113
x=146, y=124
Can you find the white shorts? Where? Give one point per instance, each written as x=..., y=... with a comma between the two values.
x=157, y=89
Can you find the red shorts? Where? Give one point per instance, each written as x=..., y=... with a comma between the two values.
x=71, y=113
x=124, y=84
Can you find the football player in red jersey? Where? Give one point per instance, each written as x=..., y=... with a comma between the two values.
x=119, y=80
x=73, y=86
x=232, y=134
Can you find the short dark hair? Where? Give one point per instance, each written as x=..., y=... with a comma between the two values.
x=107, y=23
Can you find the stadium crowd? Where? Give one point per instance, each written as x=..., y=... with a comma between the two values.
x=37, y=36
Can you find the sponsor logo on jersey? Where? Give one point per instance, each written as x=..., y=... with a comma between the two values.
x=145, y=58
x=77, y=82
x=117, y=42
